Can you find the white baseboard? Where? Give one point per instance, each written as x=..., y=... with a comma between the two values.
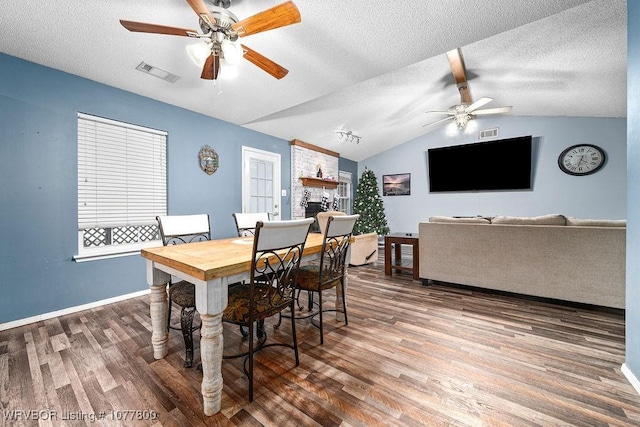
x=51, y=315
x=631, y=377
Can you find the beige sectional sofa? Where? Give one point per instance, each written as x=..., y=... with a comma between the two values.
x=550, y=256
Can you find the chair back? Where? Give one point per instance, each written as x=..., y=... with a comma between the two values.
x=323, y=217
x=178, y=229
x=337, y=241
x=246, y=222
x=277, y=250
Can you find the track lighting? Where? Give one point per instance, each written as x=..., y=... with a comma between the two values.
x=348, y=136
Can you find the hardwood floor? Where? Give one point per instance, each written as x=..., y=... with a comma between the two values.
x=411, y=355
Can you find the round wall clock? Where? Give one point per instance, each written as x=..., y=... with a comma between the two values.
x=581, y=159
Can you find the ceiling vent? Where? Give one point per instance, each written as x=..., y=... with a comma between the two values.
x=157, y=72
x=488, y=133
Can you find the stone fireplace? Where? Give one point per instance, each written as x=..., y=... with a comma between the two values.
x=305, y=159
x=311, y=211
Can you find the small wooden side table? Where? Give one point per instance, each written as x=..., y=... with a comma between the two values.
x=399, y=239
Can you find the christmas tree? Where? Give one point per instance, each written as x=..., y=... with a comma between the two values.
x=369, y=205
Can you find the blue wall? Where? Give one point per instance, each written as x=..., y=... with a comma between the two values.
x=601, y=195
x=633, y=191
x=38, y=185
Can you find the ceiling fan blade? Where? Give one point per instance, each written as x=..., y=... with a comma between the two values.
x=142, y=27
x=456, y=63
x=438, y=121
x=211, y=68
x=479, y=103
x=265, y=63
x=497, y=110
x=201, y=10
x=439, y=112
x=278, y=16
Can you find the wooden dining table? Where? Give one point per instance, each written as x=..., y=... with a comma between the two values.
x=211, y=266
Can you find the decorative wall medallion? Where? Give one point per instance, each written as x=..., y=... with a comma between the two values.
x=208, y=160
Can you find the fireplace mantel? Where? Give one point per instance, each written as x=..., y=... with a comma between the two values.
x=319, y=182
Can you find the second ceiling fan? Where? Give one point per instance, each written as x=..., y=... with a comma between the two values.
x=462, y=113
x=221, y=30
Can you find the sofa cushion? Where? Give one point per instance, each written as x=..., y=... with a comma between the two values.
x=450, y=219
x=552, y=219
x=596, y=222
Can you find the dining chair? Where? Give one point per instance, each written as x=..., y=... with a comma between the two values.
x=323, y=217
x=277, y=250
x=246, y=222
x=246, y=226
x=174, y=230
x=328, y=273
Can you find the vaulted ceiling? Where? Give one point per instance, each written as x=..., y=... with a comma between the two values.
x=369, y=66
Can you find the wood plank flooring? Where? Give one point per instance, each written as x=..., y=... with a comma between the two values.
x=411, y=355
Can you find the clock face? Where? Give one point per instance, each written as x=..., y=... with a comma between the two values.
x=581, y=159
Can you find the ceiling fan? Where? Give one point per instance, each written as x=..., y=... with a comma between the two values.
x=221, y=30
x=462, y=113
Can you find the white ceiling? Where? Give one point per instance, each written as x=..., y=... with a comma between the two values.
x=370, y=66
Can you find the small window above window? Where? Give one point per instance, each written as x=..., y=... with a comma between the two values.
x=344, y=191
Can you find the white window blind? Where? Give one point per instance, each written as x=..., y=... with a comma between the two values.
x=122, y=173
x=122, y=186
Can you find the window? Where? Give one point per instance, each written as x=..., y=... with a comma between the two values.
x=344, y=191
x=122, y=187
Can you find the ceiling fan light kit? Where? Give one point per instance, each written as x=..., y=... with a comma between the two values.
x=221, y=30
x=199, y=52
x=232, y=51
x=462, y=114
x=461, y=120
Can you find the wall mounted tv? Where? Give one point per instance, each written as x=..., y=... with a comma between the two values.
x=503, y=164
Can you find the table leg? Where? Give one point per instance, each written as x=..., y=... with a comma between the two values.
x=159, y=310
x=398, y=253
x=211, y=346
x=387, y=257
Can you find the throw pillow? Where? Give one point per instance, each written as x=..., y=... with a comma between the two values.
x=469, y=220
x=552, y=219
x=596, y=222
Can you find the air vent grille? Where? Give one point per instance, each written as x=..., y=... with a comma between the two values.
x=157, y=72
x=488, y=133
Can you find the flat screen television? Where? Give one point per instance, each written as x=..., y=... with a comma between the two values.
x=503, y=164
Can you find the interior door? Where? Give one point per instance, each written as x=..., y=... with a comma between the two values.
x=261, y=185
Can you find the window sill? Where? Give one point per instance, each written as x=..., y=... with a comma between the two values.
x=116, y=251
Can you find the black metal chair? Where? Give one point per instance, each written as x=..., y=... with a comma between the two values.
x=179, y=229
x=277, y=249
x=328, y=273
x=246, y=226
x=246, y=222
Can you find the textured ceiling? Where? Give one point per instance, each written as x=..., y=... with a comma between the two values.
x=370, y=66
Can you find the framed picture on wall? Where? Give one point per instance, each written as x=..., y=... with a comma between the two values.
x=396, y=185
